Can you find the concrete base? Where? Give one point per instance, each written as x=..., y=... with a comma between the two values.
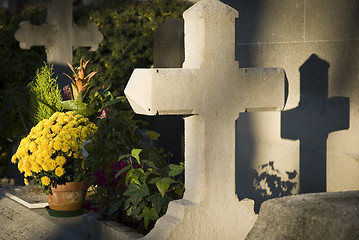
x=106, y=230
x=309, y=216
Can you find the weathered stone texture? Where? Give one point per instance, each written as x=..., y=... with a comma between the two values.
x=329, y=216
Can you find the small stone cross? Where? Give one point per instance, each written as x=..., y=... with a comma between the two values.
x=212, y=90
x=59, y=35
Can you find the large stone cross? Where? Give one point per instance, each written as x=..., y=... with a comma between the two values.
x=212, y=90
x=59, y=35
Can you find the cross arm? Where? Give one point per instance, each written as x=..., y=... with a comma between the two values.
x=25, y=35
x=162, y=91
x=265, y=89
x=88, y=36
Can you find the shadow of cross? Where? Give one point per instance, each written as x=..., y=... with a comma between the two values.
x=59, y=35
x=213, y=90
x=312, y=121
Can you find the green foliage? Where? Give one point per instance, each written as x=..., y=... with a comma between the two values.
x=17, y=68
x=45, y=96
x=150, y=188
x=134, y=180
x=128, y=28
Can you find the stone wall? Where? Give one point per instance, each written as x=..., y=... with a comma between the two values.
x=314, y=143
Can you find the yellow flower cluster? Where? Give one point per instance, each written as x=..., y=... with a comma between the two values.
x=51, y=143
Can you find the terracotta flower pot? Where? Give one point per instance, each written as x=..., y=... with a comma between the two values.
x=67, y=197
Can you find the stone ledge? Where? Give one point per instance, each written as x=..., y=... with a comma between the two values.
x=329, y=216
x=106, y=230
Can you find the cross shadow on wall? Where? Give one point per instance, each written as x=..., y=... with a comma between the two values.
x=311, y=122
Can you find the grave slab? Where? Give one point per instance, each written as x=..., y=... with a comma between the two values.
x=212, y=90
x=329, y=216
x=28, y=196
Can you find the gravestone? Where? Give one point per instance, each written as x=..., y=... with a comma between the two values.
x=59, y=35
x=168, y=52
x=212, y=90
x=168, y=44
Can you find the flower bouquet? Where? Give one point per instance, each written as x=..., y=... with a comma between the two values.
x=51, y=154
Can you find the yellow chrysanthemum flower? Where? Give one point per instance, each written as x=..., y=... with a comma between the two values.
x=14, y=158
x=45, y=167
x=26, y=181
x=57, y=145
x=60, y=160
x=35, y=167
x=51, y=164
x=59, y=171
x=27, y=167
x=45, y=181
x=65, y=147
x=56, y=128
x=62, y=134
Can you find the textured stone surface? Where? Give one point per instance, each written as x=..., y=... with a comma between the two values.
x=329, y=216
x=106, y=230
x=328, y=30
x=20, y=223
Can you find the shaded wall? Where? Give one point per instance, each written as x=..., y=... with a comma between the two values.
x=316, y=138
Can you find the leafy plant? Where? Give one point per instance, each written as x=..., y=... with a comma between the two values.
x=149, y=188
x=132, y=190
x=45, y=96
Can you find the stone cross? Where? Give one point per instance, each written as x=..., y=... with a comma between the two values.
x=312, y=121
x=212, y=90
x=59, y=35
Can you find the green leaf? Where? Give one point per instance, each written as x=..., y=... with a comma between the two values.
x=151, y=164
x=123, y=156
x=154, y=180
x=129, y=175
x=138, y=172
x=157, y=201
x=73, y=105
x=175, y=170
x=135, y=180
x=149, y=214
x=122, y=171
x=136, y=154
x=164, y=184
x=152, y=135
x=144, y=177
x=78, y=107
x=136, y=193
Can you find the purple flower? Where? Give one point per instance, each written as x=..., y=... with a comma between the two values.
x=67, y=92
